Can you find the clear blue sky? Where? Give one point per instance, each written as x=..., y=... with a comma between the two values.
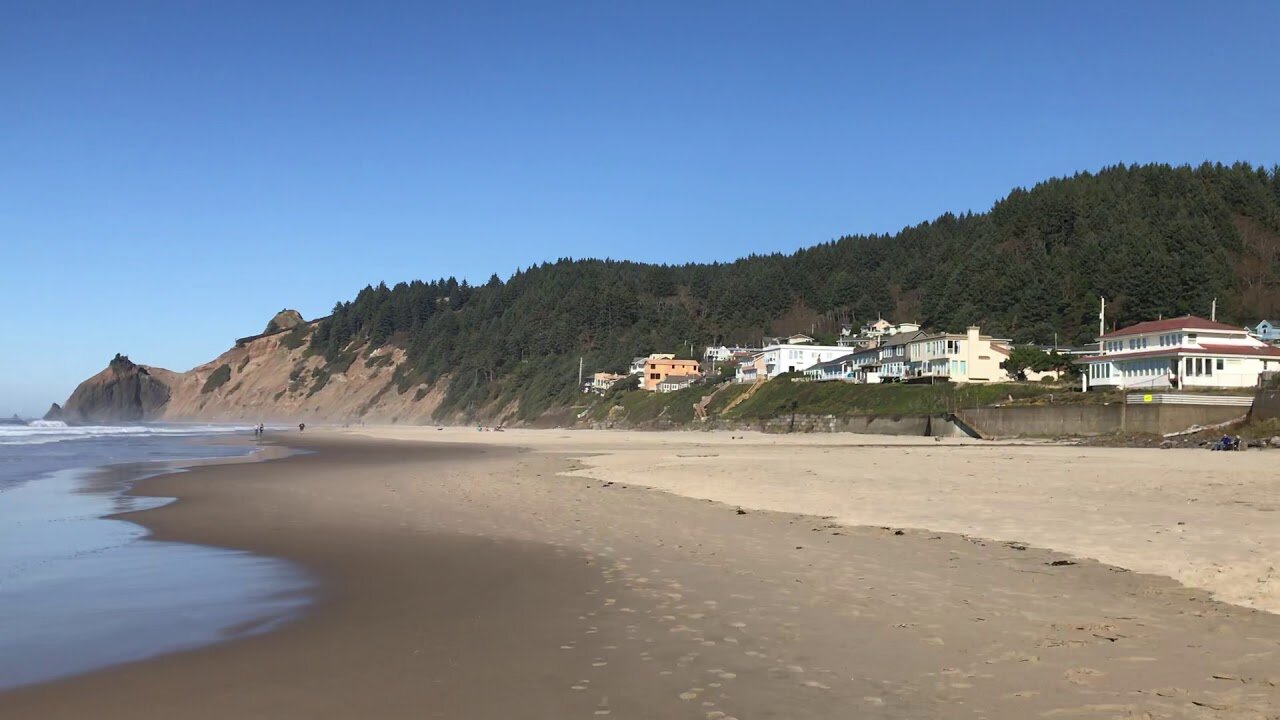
x=172, y=173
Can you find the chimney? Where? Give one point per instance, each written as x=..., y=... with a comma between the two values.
x=974, y=332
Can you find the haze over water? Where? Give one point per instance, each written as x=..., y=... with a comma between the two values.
x=81, y=592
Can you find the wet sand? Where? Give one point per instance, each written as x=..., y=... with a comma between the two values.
x=480, y=581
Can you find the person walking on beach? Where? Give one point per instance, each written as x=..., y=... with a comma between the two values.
x=302, y=426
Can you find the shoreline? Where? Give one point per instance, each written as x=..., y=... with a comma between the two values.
x=462, y=579
x=90, y=589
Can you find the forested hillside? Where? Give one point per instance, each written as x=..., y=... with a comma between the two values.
x=1152, y=239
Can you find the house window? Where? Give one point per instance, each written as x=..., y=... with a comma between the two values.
x=1219, y=363
x=1208, y=366
x=1189, y=367
x=655, y=376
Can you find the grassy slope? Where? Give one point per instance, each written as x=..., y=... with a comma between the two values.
x=781, y=395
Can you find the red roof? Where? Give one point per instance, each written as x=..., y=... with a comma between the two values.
x=1206, y=349
x=1186, y=322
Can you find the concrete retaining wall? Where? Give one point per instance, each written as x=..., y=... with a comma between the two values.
x=1094, y=419
x=1038, y=421
x=917, y=425
x=1266, y=402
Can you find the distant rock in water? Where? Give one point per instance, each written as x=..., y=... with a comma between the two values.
x=124, y=392
x=15, y=420
x=284, y=320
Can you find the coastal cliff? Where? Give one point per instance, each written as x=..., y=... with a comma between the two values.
x=273, y=376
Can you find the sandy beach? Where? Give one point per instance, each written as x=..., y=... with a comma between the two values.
x=550, y=574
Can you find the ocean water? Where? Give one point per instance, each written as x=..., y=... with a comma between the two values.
x=80, y=592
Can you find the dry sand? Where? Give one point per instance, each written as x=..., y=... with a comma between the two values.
x=483, y=581
x=1208, y=520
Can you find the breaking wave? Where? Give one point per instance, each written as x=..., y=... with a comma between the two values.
x=39, y=432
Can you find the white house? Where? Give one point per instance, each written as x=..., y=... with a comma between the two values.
x=723, y=352
x=784, y=358
x=1183, y=352
x=841, y=368
x=637, y=365
x=969, y=358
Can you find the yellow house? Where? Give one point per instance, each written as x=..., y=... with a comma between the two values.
x=659, y=367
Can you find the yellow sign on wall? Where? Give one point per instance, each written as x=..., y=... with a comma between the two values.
x=1146, y=398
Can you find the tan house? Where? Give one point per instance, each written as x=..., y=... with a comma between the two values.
x=968, y=358
x=659, y=367
x=601, y=382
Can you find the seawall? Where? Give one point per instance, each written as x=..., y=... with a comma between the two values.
x=1037, y=421
x=1266, y=402
x=1094, y=419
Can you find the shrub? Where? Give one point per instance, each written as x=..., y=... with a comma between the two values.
x=322, y=379
x=295, y=337
x=217, y=378
x=340, y=364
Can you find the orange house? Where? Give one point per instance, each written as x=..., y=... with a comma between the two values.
x=659, y=367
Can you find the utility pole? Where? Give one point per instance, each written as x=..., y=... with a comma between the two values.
x=1102, y=319
x=580, y=361
x=1213, y=310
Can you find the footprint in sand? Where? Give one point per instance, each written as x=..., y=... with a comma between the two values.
x=816, y=685
x=1082, y=676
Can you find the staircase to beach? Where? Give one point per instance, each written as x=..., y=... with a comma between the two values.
x=744, y=396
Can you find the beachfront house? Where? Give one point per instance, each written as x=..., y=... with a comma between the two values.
x=840, y=368
x=660, y=366
x=777, y=359
x=602, y=382
x=892, y=353
x=1184, y=352
x=951, y=357
x=1267, y=331
x=866, y=365
x=637, y=366
x=672, y=383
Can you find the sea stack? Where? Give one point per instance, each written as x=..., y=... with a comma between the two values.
x=123, y=392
